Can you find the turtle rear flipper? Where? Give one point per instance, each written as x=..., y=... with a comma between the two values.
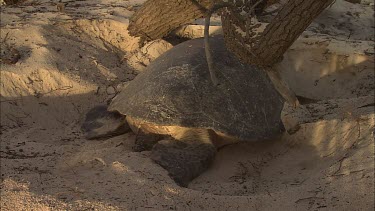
x=183, y=159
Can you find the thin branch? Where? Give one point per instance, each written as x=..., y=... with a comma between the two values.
x=207, y=49
x=256, y=4
x=6, y=37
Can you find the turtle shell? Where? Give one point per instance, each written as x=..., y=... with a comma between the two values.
x=176, y=89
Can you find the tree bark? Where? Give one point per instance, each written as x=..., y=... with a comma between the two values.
x=157, y=18
x=267, y=48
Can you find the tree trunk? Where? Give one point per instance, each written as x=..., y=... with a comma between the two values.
x=267, y=48
x=157, y=18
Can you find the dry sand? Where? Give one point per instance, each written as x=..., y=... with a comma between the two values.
x=74, y=60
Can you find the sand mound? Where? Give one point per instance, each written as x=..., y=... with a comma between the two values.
x=74, y=60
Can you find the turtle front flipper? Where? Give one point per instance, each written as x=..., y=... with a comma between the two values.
x=145, y=141
x=187, y=158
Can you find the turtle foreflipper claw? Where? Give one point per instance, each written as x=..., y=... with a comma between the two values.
x=184, y=160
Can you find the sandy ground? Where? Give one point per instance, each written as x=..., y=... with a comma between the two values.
x=74, y=60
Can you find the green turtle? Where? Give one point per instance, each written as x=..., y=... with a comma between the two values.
x=183, y=118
